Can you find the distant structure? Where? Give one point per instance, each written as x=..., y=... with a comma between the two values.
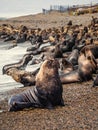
x=59, y=8
x=45, y=11
x=75, y=8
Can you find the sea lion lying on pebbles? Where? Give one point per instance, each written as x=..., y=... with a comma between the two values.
x=21, y=76
x=87, y=65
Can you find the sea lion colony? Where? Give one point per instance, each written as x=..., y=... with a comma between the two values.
x=74, y=46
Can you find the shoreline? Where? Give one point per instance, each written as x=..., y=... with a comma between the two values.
x=54, y=19
x=81, y=102
x=10, y=56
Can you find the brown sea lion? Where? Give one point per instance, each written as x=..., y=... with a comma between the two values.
x=46, y=94
x=57, y=52
x=66, y=66
x=87, y=66
x=89, y=54
x=48, y=83
x=93, y=48
x=21, y=76
x=71, y=77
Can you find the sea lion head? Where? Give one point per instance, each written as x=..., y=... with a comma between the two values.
x=10, y=71
x=90, y=57
x=65, y=63
x=51, y=63
x=49, y=67
x=26, y=58
x=66, y=66
x=58, y=52
x=14, y=73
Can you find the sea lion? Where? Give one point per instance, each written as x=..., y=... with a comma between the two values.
x=33, y=48
x=71, y=77
x=93, y=48
x=21, y=76
x=22, y=37
x=9, y=38
x=48, y=83
x=73, y=57
x=87, y=65
x=37, y=60
x=57, y=52
x=19, y=65
x=69, y=43
x=48, y=48
x=66, y=66
x=46, y=94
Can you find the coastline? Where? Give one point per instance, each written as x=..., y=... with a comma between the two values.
x=53, y=19
x=79, y=113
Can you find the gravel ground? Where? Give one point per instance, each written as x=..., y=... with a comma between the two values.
x=81, y=100
x=79, y=113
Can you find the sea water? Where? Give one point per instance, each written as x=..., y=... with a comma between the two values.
x=8, y=56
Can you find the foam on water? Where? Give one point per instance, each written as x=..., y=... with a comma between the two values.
x=8, y=56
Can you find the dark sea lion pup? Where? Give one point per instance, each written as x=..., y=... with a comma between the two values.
x=46, y=94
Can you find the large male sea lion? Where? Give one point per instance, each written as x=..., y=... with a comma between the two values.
x=46, y=94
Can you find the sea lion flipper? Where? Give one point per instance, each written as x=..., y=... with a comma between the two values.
x=49, y=106
x=62, y=102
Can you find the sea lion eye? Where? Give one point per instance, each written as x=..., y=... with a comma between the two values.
x=89, y=57
x=49, y=62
